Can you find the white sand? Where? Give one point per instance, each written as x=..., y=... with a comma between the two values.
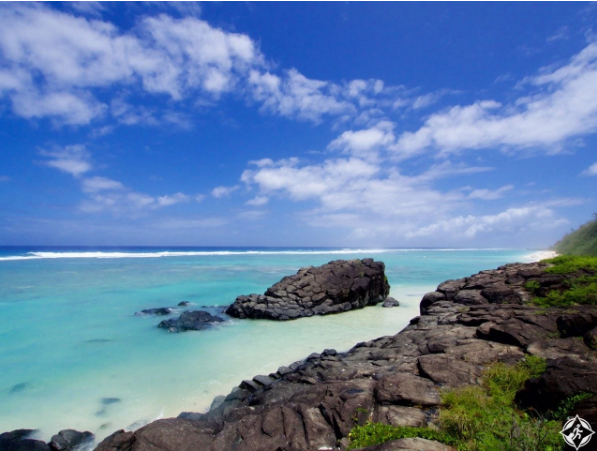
x=540, y=255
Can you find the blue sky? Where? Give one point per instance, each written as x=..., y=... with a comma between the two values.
x=297, y=124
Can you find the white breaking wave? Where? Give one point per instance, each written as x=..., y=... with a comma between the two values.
x=40, y=255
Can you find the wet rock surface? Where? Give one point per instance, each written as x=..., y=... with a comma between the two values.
x=70, y=440
x=336, y=287
x=192, y=320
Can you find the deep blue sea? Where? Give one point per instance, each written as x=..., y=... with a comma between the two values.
x=74, y=355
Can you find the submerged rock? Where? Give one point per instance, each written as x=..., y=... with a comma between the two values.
x=193, y=320
x=336, y=287
x=70, y=440
x=160, y=311
x=184, y=304
x=390, y=302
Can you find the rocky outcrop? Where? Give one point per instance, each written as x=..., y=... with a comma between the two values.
x=336, y=287
x=193, y=320
x=70, y=440
x=390, y=302
x=504, y=285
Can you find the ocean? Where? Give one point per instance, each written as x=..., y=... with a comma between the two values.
x=74, y=355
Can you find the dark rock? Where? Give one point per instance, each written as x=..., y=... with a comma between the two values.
x=193, y=320
x=399, y=416
x=18, y=440
x=390, y=302
x=336, y=287
x=184, y=304
x=563, y=378
x=501, y=295
x=161, y=311
x=406, y=389
x=577, y=324
x=192, y=416
x=266, y=381
x=108, y=401
x=70, y=440
x=590, y=339
x=250, y=386
x=430, y=299
x=118, y=441
x=329, y=352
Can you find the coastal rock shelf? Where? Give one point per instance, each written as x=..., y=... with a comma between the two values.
x=336, y=287
x=313, y=404
x=504, y=285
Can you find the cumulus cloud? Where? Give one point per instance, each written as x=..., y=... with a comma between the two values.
x=72, y=55
x=223, y=191
x=363, y=142
x=75, y=159
x=95, y=184
x=512, y=219
x=591, y=170
x=258, y=201
x=165, y=201
x=487, y=194
x=559, y=108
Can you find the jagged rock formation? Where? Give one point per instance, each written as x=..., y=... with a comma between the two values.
x=336, y=287
x=313, y=404
x=504, y=285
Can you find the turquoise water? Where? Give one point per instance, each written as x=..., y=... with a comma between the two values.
x=73, y=355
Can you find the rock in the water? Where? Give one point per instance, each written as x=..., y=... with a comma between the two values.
x=160, y=311
x=184, y=304
x=336, y=287
x=390, y=302
x=70, y=440
x=19, y=440
x=194, y=320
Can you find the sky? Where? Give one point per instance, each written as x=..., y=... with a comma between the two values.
x=297, y=124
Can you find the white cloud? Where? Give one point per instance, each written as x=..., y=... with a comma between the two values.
x=71, y=56
x=199, y=197
x=487, y=194
x=95, y=184
x=296, y=95
x=431, y=98
x=512, y=219
x=74, y=159
x=591, y=170
x=562, y=108
x=562, y=34
x=223, y=191
x=362, y=142
x=258, y=201
x=165, y=201
x=190, y=223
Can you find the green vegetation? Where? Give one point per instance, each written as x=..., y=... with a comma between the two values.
x=577, y=291
x=374, y=433
x=567, y=406
x=480, y=418
x=582, y=241
x=567, y=264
